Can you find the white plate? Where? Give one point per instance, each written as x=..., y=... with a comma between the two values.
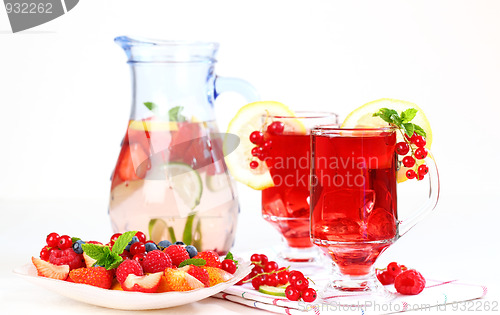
x=127, y=300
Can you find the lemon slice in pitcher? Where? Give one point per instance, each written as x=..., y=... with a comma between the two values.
x=247, y=120
x=362, y=117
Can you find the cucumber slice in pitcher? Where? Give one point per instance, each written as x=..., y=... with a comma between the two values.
x=276, y=291
x=186, y=182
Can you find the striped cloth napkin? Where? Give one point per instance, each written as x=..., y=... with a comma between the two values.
x=437, y=295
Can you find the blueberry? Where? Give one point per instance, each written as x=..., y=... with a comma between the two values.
x=179, y=243
x=77, y=246
x=192, y=251
x=164, y=244
x=134, y=240
x=150, y=247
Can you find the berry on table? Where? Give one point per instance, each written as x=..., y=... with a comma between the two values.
x=64, y=242
x=409, y=282
x=408, y=161
x=393, y=269
x=192, y=251
x=402, y=148
x=292, y=293
x=257, y=151
x=272, y=280
x=256, y=137
x=228, y=265
x=276, y=128
x=309, y=295
x=52, y=239
x=294, y=275
x=384, y=277
x=300, y=283
x=258, y=281
x=254, y=164
x=282, y=277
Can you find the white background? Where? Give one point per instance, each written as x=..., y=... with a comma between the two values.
x=65, y=97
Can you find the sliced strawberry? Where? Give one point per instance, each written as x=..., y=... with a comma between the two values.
x=133, y=163
x=179, y=280
x=147, y=284
x=46, y=269
x=95, y=276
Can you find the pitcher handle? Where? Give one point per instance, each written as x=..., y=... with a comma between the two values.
x=223, y=84
x=406, y=224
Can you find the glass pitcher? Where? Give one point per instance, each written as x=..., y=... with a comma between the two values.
x=170, y=180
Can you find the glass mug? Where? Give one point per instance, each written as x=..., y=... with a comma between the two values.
x=286, y=205
x=354, y=215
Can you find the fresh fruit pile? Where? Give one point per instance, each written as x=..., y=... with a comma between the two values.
x=267, y=277
x=406, y=281
x=130, y=262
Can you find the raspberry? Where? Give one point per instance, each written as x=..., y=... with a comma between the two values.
x=385, y=277
x=177, y=253
x=394, y=269
x=409, y=282
x=156, y=261
x=66, y=257
x=127, y=267
x=211, y=258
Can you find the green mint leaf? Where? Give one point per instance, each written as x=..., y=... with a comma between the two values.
x=122, y=241
x=408, y=128
x=419, y=131
x=174, y=114
x=74, y=239
x=114, y=261
x=408, y=114
x=150, y=105
x=193, y=261
x=95, y=251
x=386, y=114
x=396, y=119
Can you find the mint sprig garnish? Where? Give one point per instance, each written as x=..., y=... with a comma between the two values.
x=193, y=261
x=402, y=121
x=230, y=256
x=104, y=256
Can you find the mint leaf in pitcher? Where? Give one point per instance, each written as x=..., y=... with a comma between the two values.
x=174, y=114
x=150, y=105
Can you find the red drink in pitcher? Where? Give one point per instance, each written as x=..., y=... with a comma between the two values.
x=354, y=206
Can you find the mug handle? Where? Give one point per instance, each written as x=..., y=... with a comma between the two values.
x=406, y=224
x=226, y=84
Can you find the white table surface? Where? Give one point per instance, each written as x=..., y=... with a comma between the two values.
x=460, y=240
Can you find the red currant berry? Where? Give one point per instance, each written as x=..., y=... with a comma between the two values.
x=52, y=239
x=139, y=257
x=256, y=137
x=384, y=277
x=393, y=269
x=419, y=141
x=254, y=164
x=257, y=151
x=423, y=169
x=137, y=248
x=421, y=153
x=402, y=148
x=229, y=266
x=141, y=236
x=255, y=258
x=256, y=270
x=267, y=145
x=292, y=293
x=301, y=284
x=272, y=280
x=276, y=128
x=410, y=174
x=45, y=253
x=403, y=268
x=263, y=259
x=270, y=266
x=64, y=242
x=420, y=176
x=282, y=277
x=412, y=138
x=258, y=281
x=408, y=161
x=309, y=295
x=114, y=237
x=294, y=275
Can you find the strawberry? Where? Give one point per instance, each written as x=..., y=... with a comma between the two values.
x=147, y=284
x=178, y=280
x=66, y=257
x=48, y=270
x=127, y=267
x=156, y=261
x=95, y=276
x=210, y=257
x=217, y=275
x=198, y=273
x=177, y=253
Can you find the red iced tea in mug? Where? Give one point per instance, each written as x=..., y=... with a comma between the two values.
x=354, y=205
x=286, y=204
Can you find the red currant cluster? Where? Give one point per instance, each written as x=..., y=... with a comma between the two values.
x=406, y=281
x=268, y=273
x=54, y=241
x=415, y=144
x=261, y=150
